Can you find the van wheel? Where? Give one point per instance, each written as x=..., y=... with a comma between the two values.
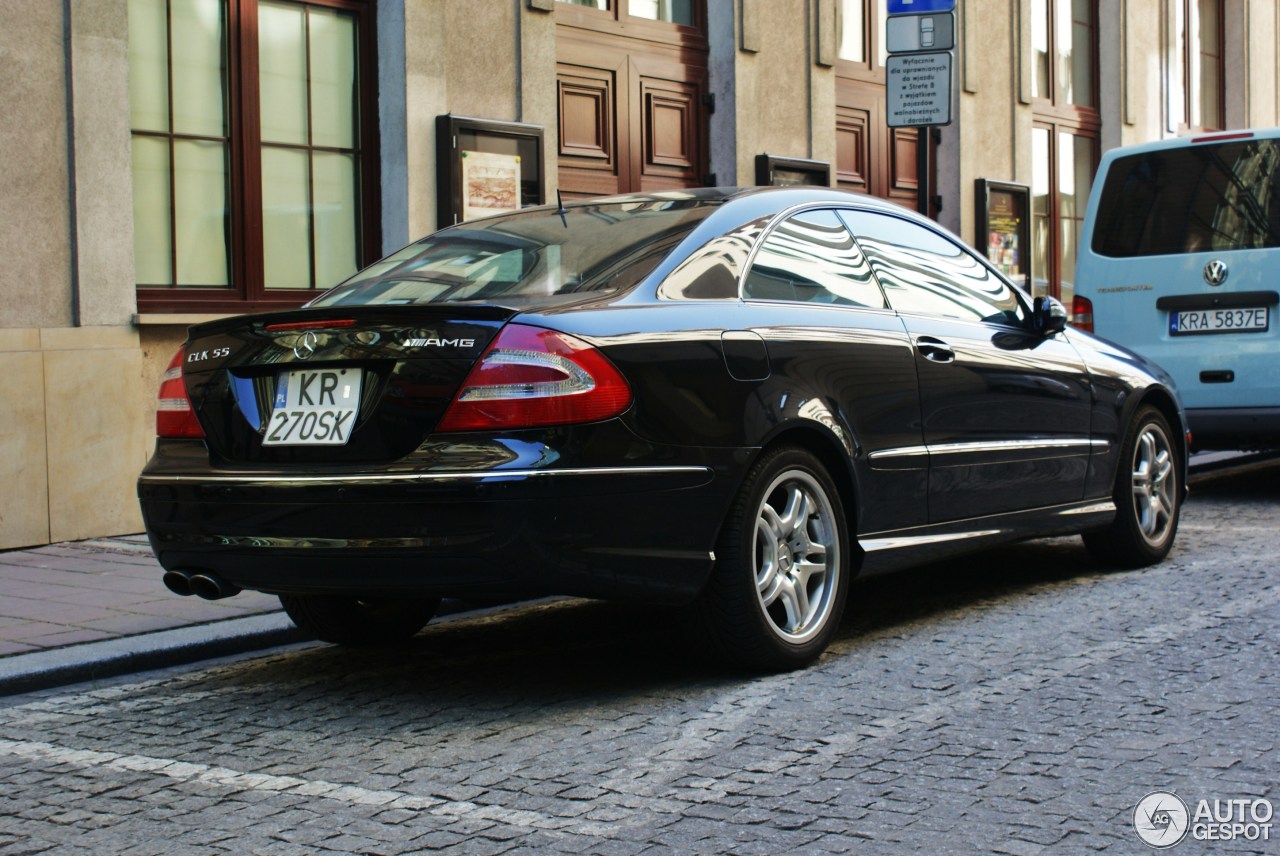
x=346, y=620
x=778, y=589
x=1148, y=497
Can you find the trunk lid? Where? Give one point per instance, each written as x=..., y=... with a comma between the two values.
x=331, y=386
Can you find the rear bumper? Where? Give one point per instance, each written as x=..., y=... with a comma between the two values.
x=1234, y=427
x=644, y=532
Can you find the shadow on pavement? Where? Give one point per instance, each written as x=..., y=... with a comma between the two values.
x=572, y=655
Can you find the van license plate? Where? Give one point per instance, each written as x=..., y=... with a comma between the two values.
x=1243, y=319
x=314, y=407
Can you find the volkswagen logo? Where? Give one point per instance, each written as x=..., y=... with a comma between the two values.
x=1215, y=272
x=306, y=345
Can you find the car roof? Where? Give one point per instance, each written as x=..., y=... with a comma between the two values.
x=782, y=197
x=1193, y=140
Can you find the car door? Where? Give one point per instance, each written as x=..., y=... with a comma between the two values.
x=1006, y=410
x=841, y=359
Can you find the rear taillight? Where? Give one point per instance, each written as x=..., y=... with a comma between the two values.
x=174, y=416
x=532, y=377
x=1082, y=313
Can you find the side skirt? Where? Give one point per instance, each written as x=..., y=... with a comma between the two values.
x=902, y=548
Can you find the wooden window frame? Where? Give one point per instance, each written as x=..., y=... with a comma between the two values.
x=247, y=291
x=1058, y=118
x=1054, y=254
x=870, y=71
x=1076, y=114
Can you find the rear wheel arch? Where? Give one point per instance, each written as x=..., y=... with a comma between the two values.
x=831, y=451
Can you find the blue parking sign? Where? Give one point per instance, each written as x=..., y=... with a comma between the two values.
x=900, y=7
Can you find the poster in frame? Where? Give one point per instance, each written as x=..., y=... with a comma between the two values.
x=490, y=183
x=485, y=166
x=1003, y=228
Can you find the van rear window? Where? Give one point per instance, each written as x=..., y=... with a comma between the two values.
x=1186, y=200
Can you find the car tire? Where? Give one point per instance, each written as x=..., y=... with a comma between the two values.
x=356, y=621
x=1148, y=496
x=777, y=592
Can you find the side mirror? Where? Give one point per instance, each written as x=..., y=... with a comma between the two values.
x=1049, y=316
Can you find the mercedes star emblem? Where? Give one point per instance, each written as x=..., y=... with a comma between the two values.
x=306, y=345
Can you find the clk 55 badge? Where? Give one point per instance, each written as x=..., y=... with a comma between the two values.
x=210, y=354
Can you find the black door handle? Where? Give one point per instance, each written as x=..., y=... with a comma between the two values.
x=935, y=350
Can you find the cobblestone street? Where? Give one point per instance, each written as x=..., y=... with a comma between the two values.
x=1013, y=702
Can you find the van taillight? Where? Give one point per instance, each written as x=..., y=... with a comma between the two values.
x=174, y=416
x=1082, y=313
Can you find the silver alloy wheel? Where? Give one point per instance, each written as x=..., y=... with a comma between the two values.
x=1154, y=484
x=797, y=556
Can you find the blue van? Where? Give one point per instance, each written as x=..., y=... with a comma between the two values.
x=1180, y=261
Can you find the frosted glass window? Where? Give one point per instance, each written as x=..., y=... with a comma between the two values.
x=856, y=17
x=333, y=79
x=853, y=30
x=148, y=64
x=1205, y=65
x=222, y=219
x=336, y=217
x=200, y=212
x=198, y=73
x=286, y=226
x=1077, y=77
x=1040, y=48
x=152, y=250
x=882, y=26
x=180, y=216
x=310, y=198
x=674, y=11
x=282, y=70
x=1040, y=219
x=1075, y=181
x=1062, y=51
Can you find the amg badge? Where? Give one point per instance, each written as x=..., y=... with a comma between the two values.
x=439, y=343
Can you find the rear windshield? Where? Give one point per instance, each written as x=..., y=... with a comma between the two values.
x=605, y=246
x=1185, y=200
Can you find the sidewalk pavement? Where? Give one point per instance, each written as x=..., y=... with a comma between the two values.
x=94, y=609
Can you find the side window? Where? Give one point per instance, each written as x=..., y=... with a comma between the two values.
x=812, y=258
x=923, y=272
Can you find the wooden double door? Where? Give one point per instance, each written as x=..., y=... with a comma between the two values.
x=871, y=157
x=632, y=114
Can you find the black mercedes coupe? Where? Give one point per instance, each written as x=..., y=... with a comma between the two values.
x=735, y=400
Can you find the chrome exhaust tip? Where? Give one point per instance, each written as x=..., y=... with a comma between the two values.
x=178, y=582
x=212, y=586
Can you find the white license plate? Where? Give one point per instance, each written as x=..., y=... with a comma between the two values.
x=314, y=407
x=1240, y=319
